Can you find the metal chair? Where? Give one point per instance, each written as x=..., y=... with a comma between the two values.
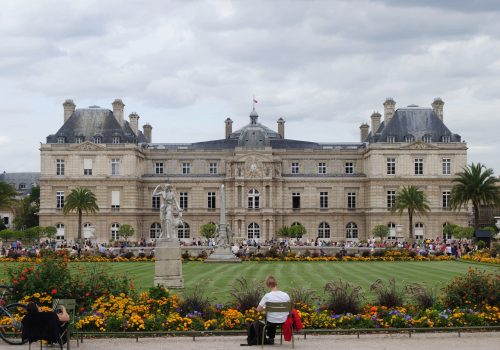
x=277, y=307
x=70, y=305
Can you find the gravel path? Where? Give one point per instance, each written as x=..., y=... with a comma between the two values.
x=423, y=341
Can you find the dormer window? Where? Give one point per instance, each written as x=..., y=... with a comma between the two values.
x=97, y=139
x=22, y=186
x=409, y=138
x=427, y=138
x=116, y=139
x=79, y=139
x=61, y=139
x=391, y=139
x=446, y=139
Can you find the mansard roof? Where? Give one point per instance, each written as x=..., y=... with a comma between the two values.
x=416, y=122
x=95, y=121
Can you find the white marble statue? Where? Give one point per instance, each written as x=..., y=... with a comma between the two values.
x=170, y=211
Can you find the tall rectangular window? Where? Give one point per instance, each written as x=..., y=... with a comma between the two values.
x=115, y=200
x=296, y=200
x=321, y=168
x=349, y=168
x=59, y=166
x=60, y=199
x=323, y=200
x=159, y=168
x=391, y=166
x=446, y=166
x=183, y=200
x=295, y=168
x=116, y=139
x=391, y=198
x=186, y=168
x=115, y=166
x=155, y=202
x=419, y=166
x=446, y=199
x=212, y=168
x=79, y=139
x=211, y=200
x=351, y=200
x=87, y=167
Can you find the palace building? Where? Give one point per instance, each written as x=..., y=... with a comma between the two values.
x=338, y=191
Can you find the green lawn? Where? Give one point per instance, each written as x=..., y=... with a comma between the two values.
x=217, y=279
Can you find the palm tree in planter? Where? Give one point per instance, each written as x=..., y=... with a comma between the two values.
x=412, y=200
x=80, y=200
x=477, y=185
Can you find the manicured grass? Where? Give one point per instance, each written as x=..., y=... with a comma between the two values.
x=217, y=279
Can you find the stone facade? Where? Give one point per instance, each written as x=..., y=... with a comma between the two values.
x=337, y=191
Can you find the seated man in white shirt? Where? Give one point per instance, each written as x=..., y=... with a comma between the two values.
x=273, y=318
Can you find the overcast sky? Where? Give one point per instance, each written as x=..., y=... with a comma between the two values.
x=185, y=66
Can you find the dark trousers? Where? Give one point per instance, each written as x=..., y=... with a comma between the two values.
x=271, y=329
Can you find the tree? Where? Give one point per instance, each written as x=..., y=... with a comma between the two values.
x=293, y=231
x=477, y=185
x=7, y=234
x=80, y=200
x=27, y=210
x=380, y=231
x=8, y=196
x=208, y=230
x=412, y=200
x=49, y=232
x=126, y=231
x=460, y=232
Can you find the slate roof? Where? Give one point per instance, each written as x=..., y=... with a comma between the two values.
x=16, y=179
x=413, y=121
x=95, y=121
x=254, y=135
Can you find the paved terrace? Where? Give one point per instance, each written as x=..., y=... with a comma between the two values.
x=421, y=341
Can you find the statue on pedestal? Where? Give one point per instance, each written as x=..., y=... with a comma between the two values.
x=170, y=211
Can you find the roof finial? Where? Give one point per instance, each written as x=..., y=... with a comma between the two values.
x=254, y=115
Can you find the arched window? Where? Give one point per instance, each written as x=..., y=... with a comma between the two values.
x=351, y=231
x=88, y=230
x=60, y=231
x=154, y=230
x=184, y=231
x=114, y=231
x=253, y=199
x=324, y=230
x=392, y=229
x=419, y=230
x=253, y=231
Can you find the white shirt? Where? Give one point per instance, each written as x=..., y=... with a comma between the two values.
x=276, y=297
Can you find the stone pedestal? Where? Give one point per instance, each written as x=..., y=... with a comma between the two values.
x=222, y=255
x=168, y=265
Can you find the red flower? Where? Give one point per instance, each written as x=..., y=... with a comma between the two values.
x=53, y=291
x=23, y=278
x=87, y=294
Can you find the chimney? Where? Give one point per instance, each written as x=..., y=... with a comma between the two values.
x=364, y=131
x=69, y=107
x=147, y=132
x=389, y=108
x=437, y=106
x=134, y=122
x=118, y=107
x=281, y=127
x=229, y=127
x=375, y=122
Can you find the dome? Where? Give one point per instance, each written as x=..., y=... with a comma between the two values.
x=254, y=135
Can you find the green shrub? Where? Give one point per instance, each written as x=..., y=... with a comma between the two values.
x=343, y=297
x=387, y=295
x=481, y=245
x=246, y=294
x=495, y=250
x=475, y=288
x=423, y=297
x=51, y=276
x=158, y=292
